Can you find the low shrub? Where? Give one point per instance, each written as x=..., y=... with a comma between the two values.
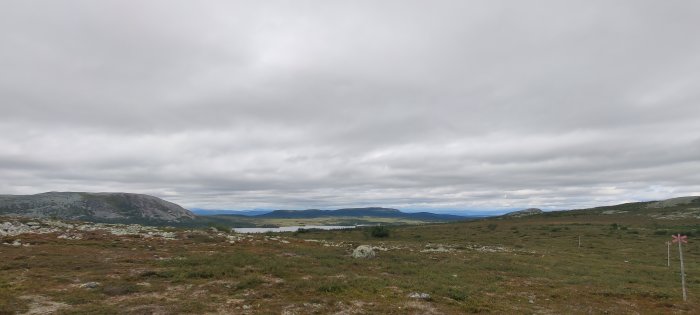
x=379, y=231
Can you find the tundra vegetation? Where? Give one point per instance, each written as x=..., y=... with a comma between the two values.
x=530, y=264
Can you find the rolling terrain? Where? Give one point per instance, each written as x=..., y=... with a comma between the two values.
x=508, y=265
x=354, y=216
x=149, y=210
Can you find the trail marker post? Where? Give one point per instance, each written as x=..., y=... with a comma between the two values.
x=680, y=239
x=668, y=254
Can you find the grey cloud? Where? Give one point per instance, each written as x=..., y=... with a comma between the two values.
x=450, y=104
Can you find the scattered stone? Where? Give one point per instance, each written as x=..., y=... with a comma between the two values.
x=363, y=251
x=439, y=248
x=673, y=202
x=67, y=231
x=90, y=285
x=71, y=236
x=17, y=228
x=614, y=212
x=59, y=224
x=523, y=213
x=497, y=249
x=687, y=213
x=419, y=295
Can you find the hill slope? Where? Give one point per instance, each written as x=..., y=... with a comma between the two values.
x=680, y=208
x=94, y=207
x=523, y=213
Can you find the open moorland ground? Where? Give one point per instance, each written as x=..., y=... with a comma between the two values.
x=516, y=265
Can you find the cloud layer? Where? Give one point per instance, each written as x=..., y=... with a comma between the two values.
x=415, y=105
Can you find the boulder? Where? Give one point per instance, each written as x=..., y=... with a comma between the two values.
x=90, y=285
x=363, y=251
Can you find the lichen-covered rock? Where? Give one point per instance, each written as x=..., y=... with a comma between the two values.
x=72, y=231
x=363, y=251
x=419, y=295
x=90, y=285
x=71, y=236
x=17, y=228
x=436, y=248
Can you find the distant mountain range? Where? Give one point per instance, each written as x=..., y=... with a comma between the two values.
x=145, y=209
x=252, y=213
x=99, y=207
x=360, y=212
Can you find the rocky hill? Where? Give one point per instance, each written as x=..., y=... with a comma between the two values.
x=679, y=208
x=673, y=202
x=102, y=207
x=523, y=213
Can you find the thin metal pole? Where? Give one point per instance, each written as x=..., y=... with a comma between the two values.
x=680, y=251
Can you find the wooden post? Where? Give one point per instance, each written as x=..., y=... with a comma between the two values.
x=680, y=252
x=579, y=241
x=680, y=239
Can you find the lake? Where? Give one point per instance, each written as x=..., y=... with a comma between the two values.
x=292, y=228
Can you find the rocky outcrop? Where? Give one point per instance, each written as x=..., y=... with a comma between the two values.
x=673, y=202
x=363, y=251
x=93, y=207
x=523, y=213
x=74, y=231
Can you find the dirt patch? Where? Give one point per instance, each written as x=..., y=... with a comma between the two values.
x=39, y=304
x=420, y=307
x=355, y=307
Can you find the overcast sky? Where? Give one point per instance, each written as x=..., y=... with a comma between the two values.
x=481, y=105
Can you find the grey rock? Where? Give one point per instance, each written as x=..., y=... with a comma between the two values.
x=90, y=285
x=419, y=295
x=363, y=251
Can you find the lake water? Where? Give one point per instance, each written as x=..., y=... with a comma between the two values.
x=292, y=228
